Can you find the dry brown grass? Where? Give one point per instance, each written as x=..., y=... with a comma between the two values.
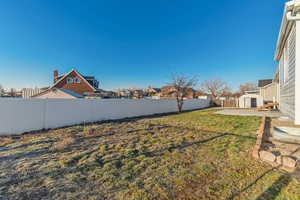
x=63, y=143
x=6, y=140
x=195, y=155
x=89, y=130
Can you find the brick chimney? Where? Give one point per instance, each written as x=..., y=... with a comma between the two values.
x=55, y=76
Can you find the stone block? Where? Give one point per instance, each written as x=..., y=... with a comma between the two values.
x=267, y=156
x=255, y=153
x=289, y=162
x=279, y=160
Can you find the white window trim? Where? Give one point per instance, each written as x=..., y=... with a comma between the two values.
x=70, y=80
x=77, y=80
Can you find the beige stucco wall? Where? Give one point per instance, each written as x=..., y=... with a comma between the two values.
x=54, y=94
x=270, y=92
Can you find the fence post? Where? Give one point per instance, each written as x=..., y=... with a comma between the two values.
x=44, y=113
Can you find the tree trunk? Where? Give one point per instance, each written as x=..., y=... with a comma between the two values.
x=179, y=103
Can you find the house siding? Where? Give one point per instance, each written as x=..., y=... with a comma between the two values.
x=79, y=88
x=287, y=87
x=269, y=92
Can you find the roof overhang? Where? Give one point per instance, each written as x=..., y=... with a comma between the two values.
x=286, y=26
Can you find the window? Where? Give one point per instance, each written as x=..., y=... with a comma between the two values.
x=77, y=80
x=69, y=80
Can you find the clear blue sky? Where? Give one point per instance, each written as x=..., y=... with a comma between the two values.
x=136, y=42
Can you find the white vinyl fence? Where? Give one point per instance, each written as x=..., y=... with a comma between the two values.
x=22, y=115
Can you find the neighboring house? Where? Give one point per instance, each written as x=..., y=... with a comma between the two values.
x=123, y=93
x=106, y=94
x=75, y=82
x=265, y=93
x=150, y=91
x=102, y=94
x=138, y=94
x=287, y=55
x=12, y=93
x=153, y=93
x=170, y=92
x=191, y=93
x=70, y=85
x=199, y=94
x=269, y=91
x=204, y=97
x=57, y=93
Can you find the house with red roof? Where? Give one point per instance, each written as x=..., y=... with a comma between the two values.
x=70, y=85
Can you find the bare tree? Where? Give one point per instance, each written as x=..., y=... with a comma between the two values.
x=247, y=87
x=216, y=87
x=182, y=85
x=227, y=92
x=199, y=92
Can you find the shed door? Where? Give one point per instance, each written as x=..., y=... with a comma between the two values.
x=253, y=103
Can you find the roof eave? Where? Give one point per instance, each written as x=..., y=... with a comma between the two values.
x=285, y=27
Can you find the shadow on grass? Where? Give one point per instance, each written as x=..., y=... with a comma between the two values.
x=236, y=194
x=211, y=135
x=213, y=132
x=26, y=145
x=27, y=155
x=214, y=135
x=135, y=153
x=132, y=155
x=73, y=167
x=274, y=190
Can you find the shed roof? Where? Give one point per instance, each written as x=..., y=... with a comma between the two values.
x=263, y=83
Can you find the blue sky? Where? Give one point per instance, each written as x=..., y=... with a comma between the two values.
x=137, y=43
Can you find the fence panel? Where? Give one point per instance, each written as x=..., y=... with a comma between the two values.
x=22, y=115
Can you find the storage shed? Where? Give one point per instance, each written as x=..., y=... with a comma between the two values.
x=251, y=101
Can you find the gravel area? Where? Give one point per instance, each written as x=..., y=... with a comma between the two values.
x=249, y=112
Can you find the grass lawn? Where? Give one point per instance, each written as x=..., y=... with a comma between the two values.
x=194, y=155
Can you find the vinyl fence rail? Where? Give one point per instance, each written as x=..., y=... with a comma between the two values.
x=23, y=115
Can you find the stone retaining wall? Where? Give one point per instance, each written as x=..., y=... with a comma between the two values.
x=285, y=162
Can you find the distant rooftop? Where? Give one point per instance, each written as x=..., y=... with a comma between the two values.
x=263, y=83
